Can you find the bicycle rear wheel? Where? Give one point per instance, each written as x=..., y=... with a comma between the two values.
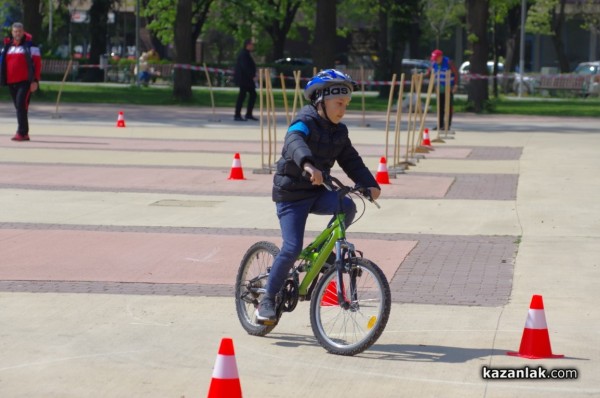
x=349, y=331
x=252, y=275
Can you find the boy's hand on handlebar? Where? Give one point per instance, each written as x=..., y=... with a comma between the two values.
x=316, y=176
x=375, y=192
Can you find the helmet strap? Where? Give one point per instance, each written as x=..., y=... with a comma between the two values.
x=322, y=103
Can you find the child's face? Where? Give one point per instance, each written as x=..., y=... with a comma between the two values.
x=336, y=108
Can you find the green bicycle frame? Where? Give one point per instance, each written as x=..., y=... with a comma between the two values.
x=315, y=259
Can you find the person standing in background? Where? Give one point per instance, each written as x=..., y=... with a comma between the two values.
x=440, y=64
x=20, y=70
x=244, y=73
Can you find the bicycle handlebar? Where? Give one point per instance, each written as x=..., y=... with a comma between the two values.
x=329, y=181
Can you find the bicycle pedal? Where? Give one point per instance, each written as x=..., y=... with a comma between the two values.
x=267, y=322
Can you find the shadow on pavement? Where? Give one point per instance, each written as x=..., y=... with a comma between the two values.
x=398, y=352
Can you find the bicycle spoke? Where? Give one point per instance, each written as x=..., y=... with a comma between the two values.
x=348, y=330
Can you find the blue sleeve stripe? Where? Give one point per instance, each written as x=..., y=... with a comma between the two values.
x=299, y=126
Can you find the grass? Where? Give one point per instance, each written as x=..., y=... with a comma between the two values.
x=162, y=95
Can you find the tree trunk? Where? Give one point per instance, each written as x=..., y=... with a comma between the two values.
x=513, y=33
x=182, y=79
x=98, y=31
x=32, y=19
x=558, y=21
x=477, y=19
x=382, y=69
x=323, y=50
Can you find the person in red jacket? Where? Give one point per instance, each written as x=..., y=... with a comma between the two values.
x=20, y=69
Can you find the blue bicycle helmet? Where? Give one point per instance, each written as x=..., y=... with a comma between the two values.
x=316, y=89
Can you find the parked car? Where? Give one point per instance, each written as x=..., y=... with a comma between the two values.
x=412, y=67
x=591, y=69
x=288, y=65
x=514, y=80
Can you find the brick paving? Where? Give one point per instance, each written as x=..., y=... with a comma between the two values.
x=481, y=186
x=455, y=270
x=495, y=153
x=467, y=270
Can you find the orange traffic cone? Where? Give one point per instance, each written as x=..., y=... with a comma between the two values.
x=236, y=169
x=330, y=298
x=225, y=381
x=121, y=119
x=535, y=343
x=382, y=176
x=426, y=140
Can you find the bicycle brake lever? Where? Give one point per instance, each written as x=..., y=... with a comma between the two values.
x=366, y=192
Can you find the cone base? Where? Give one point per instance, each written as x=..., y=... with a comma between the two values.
x=382, y=179
x=529, y=356
x=230, y=388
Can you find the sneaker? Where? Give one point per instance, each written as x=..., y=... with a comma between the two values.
x=239, y=119
x=19, y=137
x=266, y=310
x=251, y=118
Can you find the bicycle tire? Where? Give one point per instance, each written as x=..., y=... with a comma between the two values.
x=351, y=331
x=254, y=263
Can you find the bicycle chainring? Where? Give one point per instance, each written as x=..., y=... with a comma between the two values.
x=289, y=295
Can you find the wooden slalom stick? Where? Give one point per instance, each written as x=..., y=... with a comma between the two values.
x=438, y=138
x=387, y=116
x=396, y=160
x=285, y=101
x=64, y=79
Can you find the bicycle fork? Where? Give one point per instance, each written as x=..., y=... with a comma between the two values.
x=344, y=250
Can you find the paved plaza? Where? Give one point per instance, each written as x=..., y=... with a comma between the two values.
x=119, y=249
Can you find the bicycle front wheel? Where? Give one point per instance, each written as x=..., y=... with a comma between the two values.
x=251, y=279
x=354, y=327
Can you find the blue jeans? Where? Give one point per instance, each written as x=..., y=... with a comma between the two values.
x=292, y=219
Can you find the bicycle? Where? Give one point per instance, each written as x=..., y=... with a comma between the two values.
x=350, y=300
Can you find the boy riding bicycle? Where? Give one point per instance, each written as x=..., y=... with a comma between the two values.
x=314, y=141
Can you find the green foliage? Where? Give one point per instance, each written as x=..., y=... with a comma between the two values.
x=443, y=15
x=539, y=18
x=162, y=19
x=589, y=10
x=500, y=9
x=472, y=38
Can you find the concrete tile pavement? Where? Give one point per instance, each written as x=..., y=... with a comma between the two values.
x=62, y=344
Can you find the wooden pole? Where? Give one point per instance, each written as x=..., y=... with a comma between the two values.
x=387, y=117
x=396, y=160
x=415, y=139
x=62, y=84
x=262, y=130
x=447, y=104
x=362, y=89
x=212, y=96
x=268, y=101
x=274, y=121
x=285, y=101
x=437, y=97
x=427, y=100
x=410, y=123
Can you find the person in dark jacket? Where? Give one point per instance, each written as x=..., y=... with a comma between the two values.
x=244, y=73
x=314, y=141
x=20, y=68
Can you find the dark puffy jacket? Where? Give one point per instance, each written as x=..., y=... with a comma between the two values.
x=245, y=69
x=323, y=145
